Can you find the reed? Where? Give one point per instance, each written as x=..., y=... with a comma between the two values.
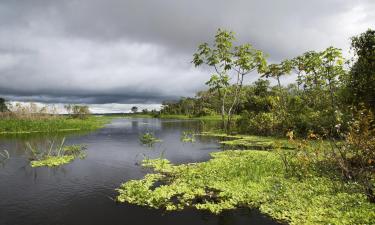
x=54, y=155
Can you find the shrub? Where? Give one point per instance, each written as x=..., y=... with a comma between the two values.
x=261, y=124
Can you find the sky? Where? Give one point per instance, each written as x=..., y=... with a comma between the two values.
x=113, y=54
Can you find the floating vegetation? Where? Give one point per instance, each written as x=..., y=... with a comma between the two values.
x=253, y=179
x=52, y=161
x=55, y=155
x=250, y=141
x=148, y=139
x=187, y=136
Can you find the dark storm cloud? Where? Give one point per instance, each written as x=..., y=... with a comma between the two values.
x=117, y=51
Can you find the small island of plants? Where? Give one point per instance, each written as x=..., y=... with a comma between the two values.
x=55, y=155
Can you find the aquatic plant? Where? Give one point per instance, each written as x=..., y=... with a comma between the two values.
x=250, y=141
x=187, y=136
x=55, y=155
x=52, y=161
x=148, y=139
x=249, y=179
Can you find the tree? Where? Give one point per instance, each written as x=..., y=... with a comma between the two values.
x=228, y=61
x=361, y=79
x=278, y=70
x=134, y=109
x=80, y=111
x=307, y=67
x=3, y=105
x=331, y=70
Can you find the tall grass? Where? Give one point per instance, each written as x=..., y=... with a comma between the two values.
x=49, y=124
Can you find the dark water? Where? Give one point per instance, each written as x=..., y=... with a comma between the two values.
x=81, y=192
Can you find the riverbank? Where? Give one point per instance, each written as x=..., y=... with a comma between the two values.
x=50, y=124
x=168, y=116
x=253, y=179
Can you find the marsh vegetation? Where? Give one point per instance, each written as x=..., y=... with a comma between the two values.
x=315, y=160
x=53, y=153
x=29, y=118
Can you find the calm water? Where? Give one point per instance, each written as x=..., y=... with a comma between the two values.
x=81, y=192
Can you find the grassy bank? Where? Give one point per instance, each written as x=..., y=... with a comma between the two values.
x=253, y=179
x=52, y=124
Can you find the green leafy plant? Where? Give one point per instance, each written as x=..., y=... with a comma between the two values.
x=55, y=155
x=187, y=136
x=148, y=139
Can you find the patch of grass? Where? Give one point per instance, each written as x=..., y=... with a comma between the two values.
x=254, y=179
x=51, y=124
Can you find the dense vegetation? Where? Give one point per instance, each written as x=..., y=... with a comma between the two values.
x=249, y=179
x=326, y=92
x=322, y=173
x=32, y=119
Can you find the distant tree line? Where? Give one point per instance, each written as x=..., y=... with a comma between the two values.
x=78, y=111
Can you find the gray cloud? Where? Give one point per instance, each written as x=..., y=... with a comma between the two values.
x=133, y=51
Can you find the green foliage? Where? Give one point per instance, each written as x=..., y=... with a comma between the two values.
x=355, y=157
x=187, y=136
x=148, y=139
x=228, y=61
x=266, y=123
x=249, y=179
x=318, y=101
x=50, y=124
x=361, y=80
x=52, y=161
x=54, y=154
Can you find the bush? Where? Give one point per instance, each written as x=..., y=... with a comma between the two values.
x=355, y=157
x=265, y=123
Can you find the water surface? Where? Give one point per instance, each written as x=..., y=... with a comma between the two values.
x=82, y=192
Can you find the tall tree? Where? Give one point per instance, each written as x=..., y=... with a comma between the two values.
x=228, y=61
x=331, y=70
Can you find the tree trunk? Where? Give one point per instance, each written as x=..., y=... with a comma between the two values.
x=235, y=101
